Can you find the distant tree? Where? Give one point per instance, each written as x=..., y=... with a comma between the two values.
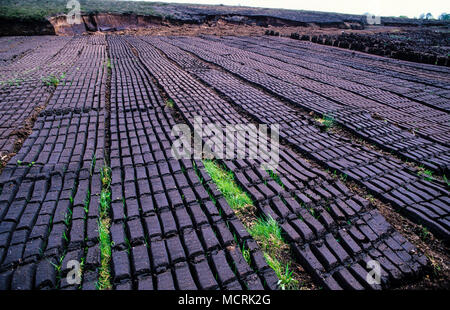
x=444, y=16
x=403, y=16
x=426, y=16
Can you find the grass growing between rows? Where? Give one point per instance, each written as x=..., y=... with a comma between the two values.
x=425, y=173
x=54, y=80
x=104, y=280
x=224, y=180
x=265, y=231
x=327, y=121
x=170, y=103
x=275, y=177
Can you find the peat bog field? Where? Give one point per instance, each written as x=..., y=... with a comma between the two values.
x=88, y=181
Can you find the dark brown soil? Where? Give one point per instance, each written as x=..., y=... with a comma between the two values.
x=21, y=135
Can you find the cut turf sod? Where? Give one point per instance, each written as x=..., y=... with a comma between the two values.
x=265, y=231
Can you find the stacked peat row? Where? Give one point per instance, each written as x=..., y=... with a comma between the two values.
x=84, y=85
x=272, y=33
x=433, y=92
x=385, y=45
x=49, y=207
x=169, y=230
x=423, y=201
x=16, y=47
x=50, y=189
x=346, y=108
x=426, y=78
x=23, y=89
x=314, y=212
x=425, y=122
x=32, y=56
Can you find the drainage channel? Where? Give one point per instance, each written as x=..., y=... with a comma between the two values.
x=104, y=222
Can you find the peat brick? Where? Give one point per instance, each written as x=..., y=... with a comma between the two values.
x=270, y=279
x=136, y=231
x=197, y=214
x=121, y=265
x=336, y=248
x=209, y=238
x=205, y=277
x=147, y=204
x=168, y=223
x=153, y=226
x=132, y=208
x=253, y=283
x=184, y=278
x=192, y=243
x=145, y=283
x=347, y=281
x=291, y=234
x=239, y=264
x=159, y=255
x=45, y=274
x=165, y=281
x=23, y=277
x=308, y=259
x=176, y=250
x=118, y=236
x=325, y=256
x=224, y=234
x=5, y=280
x=183, y=218
x=224, y=273
x=93, y=257
x=141, y=259
x=125, y=286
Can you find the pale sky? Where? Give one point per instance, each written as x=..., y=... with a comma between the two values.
x=410, y=8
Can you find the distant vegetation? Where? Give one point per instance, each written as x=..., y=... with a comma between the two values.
x=40, y=9
x=443, y=16
x=426, y=16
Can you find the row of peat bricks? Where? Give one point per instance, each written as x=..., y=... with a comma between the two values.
x=363, y=44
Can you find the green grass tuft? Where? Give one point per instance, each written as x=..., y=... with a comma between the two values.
x=267, y=228
x=327, y=120
x=53, y=80
x=424, y=233
x=265, y=231
x=246, y=254
x=286, y=280
x=227, y=186
x=104, y=280
x=446, y=180
x=170, y=103
x=427, y=174
x=104, y=224
x=275, y=177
